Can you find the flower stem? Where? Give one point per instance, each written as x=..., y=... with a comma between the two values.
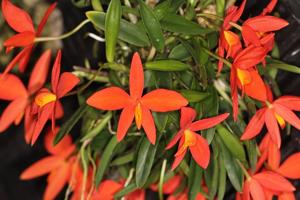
x=235, y=25
x=226, y=62
x=68, y=34
x=211, y=16
x=248, y=177
x=161, y=180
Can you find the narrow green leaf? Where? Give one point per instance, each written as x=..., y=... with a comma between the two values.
x=167, y=65
x=162, y=9
x=70, y=123
x=194, y=96
x=98, y=128
x=251, y=148
x=284, y=66
x=178, y=24
x=220, y=5
x=97, y=5
x=232, y=143
x=233, y=170
x=145, y=160
x=194, y=180
x=112, y=27
x=129, y=32
x=179, y=52
x=128, y=189
x=105, y=160
x=152, y=26
x=222, y=179
x=127, y=158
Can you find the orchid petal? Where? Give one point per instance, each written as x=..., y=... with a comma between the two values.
x=201, y=152
x=136, y=78
x=148, y=125
x=17, y=18
x=187, y=116
x=66, y=83
x=9, y=81
x=162, y=100
x=42, y=167
x=125, y=122
x=272, y=127
x=112, y=98
x=287, y=115
x=255, y=125
x=208, y=122
x=290, y=167
x=39, y=73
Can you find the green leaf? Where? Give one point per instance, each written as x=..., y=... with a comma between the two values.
x=105, y=160
x=232, y=142
x=152, y=26
x=222, y=179
x=112, y=27
x=194, y=180
x=251, y=148
x=194, y=96
x=129, y=32
x=127, y=158
x=220, y=5
x=162, y=9
x=233, y=170
x=70, y=123
x=179, y=52
x=98, y=128
x=178, y=24
x=167, y=65
x=145, y=160
x=284, y=66
x=96, y=4
x=126, y=190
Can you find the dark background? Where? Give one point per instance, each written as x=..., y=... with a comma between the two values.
x=15, y=155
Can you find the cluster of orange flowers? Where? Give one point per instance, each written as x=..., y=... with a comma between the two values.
x=37, y=104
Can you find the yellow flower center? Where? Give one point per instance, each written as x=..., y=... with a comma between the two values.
x=230, y=39
x=138, y=115
x=189, y=140
x=44, y=98
x=280, y=120
x=244, y=76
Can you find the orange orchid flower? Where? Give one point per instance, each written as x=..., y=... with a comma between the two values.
x=229, y=41
x=21, y=22
x=58, y=165
x=274, y=113
x=244, y=76
x=189, y=139
x=256, y=27
x=184, y=196
x=288, y=169
x=261, y=185
x=135, y=105
x=22, y=98
x=48, y=100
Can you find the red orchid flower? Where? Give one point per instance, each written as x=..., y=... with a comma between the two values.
x=255, y=28
x=21, y=22
x=189, y=139
x=229, y=41
x=21, y=98
x=135, y=105
x=58, y=165
x=244, y=76
x=274, y=112
x=288, y=169
x=259, y=185
x=48, y=100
